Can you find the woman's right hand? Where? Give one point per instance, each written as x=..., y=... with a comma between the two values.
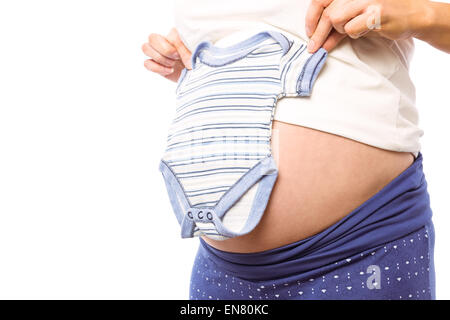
x=168, y=55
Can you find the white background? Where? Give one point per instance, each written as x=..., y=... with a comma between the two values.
x=83, y=209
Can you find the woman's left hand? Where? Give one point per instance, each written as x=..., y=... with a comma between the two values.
x=329, y=21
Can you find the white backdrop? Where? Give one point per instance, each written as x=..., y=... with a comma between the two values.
x=83, y=209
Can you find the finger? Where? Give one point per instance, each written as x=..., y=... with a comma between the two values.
x=163, y=46
x=183, y=51
x=158, y=68
x=176, y=74
x=320, y=35
x=313, y=15
x=358, y=26
x=156, y=56
x=333, y=40
x=342, y=11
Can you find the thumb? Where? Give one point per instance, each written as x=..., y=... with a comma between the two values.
x=174, y=38
x=333, y=40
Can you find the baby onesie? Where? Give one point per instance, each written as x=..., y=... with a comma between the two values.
x=218, y=167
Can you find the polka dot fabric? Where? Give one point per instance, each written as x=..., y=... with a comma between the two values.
x=404, y=270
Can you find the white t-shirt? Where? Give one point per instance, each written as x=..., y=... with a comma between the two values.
x=363, y=92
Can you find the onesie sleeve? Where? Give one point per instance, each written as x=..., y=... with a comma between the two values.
x=299, y=69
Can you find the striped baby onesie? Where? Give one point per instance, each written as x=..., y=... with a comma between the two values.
x=218, y=167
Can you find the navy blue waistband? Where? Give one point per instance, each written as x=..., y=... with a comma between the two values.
x=401, y=207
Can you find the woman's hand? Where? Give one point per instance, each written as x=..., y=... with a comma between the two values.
x=329, y=21
x=168, y=55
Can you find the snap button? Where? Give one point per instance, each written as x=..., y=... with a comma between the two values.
x=189, y=214
x=200, y=214
x=209, y=216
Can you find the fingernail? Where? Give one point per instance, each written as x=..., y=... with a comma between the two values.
x=169, y=70
x=311, y=45
x=176, y=55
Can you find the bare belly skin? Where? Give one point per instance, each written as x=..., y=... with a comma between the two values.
x=322, y=177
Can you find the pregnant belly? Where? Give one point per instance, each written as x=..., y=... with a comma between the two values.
x=322, y=177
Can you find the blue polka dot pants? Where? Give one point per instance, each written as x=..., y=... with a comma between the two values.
x=402, y=269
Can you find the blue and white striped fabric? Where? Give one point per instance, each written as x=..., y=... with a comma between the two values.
x=218, y=167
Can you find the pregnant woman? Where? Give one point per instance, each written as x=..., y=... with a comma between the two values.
x=349, y=216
